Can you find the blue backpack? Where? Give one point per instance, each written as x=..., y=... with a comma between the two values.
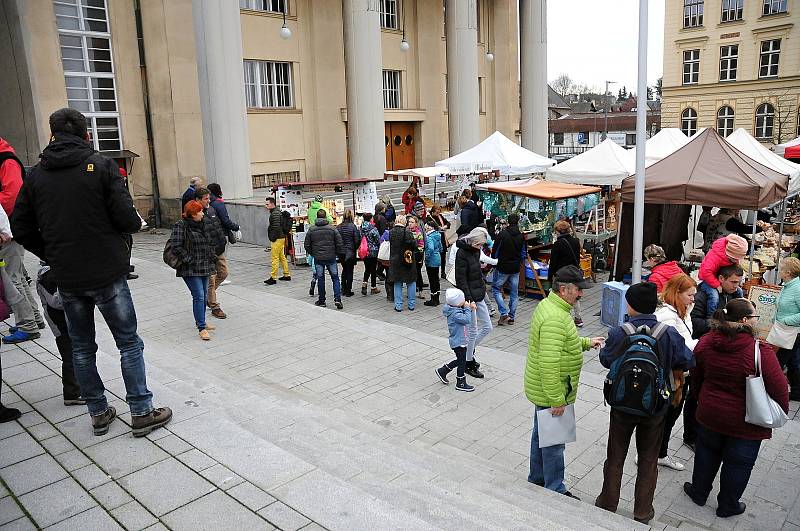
x=636, y=382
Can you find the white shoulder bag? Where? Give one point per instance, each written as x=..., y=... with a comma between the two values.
x=761, y=409
x=782, y=335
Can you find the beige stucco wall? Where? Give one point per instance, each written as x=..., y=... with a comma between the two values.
x=748, y=92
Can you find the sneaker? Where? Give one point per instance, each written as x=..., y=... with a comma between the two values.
x=338, y=304
x=462, y=385
x=285, y=278
x=7, y=414
x=375, y=291
x=492, y=312
x=472, y=370
x=502, y=321
x=579, y=323
x=218, y=313
x=510, y=321
x=398, y=310
x=18, y=336
x=364, y=288
x=568, y=494
x=74, y=402
x=320, y=303
x=670, y=462
x=101, y=422
x=225, y=282
x=204, y=335
x=270, y=281
x=144, y=424
x=441, y=372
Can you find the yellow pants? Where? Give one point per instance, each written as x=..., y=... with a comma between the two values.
x=279, y=258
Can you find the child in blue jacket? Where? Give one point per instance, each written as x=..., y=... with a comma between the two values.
x=459, y=315
x=433, y=261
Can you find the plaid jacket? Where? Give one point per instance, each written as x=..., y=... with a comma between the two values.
x=193, y=245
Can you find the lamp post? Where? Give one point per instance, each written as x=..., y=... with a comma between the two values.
x=641, y=137
x=605, y=109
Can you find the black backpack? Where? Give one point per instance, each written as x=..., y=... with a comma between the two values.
x=637, y=382
x=286, y=222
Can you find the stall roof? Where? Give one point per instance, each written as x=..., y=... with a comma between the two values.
x=744, y=142
x=497, y=153
x=329, y=182
x=429, y=171
x=710, y=171
x=539, y=189
x=790, y=149
x=604, y=164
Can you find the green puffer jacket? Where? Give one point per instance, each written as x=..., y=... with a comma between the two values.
x=555, y=354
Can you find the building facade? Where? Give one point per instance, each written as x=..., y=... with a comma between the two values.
x=211, y=88
x=731, y=64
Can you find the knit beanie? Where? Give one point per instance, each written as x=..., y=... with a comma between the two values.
x=454, y=296
x=642, y=297
x=655, y=251
x=478, y=235
x=736, y=248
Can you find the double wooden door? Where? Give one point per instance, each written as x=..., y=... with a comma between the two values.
x=399, y=141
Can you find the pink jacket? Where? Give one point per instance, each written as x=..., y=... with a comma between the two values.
x=715, y=260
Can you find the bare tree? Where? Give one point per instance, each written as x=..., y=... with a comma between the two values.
x=783, y=125
x=563, y=84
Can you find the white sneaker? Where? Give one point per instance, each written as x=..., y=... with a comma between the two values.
x=669, y=462
x=225, y=282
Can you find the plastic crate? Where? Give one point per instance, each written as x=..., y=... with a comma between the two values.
x=613, y=306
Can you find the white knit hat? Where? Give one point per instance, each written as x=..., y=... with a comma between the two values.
x=454, y=296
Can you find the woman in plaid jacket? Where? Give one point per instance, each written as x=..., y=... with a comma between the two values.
x=193, y=244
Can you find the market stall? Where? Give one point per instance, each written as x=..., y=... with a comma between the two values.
x=497, y=153
x=789, y=150
x=437, y=174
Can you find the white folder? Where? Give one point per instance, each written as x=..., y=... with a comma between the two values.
x=556, y=430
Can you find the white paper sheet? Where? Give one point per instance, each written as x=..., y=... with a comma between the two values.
x=556, y=430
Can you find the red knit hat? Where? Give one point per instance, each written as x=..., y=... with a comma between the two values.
x=736, y=248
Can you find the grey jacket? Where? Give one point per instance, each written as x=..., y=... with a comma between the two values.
x=324, y=242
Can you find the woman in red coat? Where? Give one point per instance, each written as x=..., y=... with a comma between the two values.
x=725, y=358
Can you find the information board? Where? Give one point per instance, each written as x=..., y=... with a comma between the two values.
x=765, y=297
x=291, y=200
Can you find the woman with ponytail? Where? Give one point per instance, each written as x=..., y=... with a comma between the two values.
x=725, y=357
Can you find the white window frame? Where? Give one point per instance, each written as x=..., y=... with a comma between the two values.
x=390, y=14
x=732, y=10
x=693, y=13
x=725, y=116
x=264, y=84
x=689, y=121
x=765, y=121
x=268, y=6
x=392, y=89
x=769, y=59
x=728, y=62
x=691, y=58
x=773, y=7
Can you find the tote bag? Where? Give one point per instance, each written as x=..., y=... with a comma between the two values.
x=761, y=409
x=383, y=251
x=782, y=335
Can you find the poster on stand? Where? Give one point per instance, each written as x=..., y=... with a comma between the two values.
x=299, y=249
x=366, y=197
x=292, y=200
x=765, y=297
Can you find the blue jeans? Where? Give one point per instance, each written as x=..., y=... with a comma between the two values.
x=411, y=287
x=737, y=457
x=547, y=464
x=333, y=270
x=116, y=306
x=479, y=328
x=198, y=286
x=713, y=296
x=498, y=282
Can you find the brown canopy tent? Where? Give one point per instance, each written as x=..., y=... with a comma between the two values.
x=539, y=189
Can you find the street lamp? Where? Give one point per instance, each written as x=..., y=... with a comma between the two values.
x=404, y=46
x=285, y=31
x=605, y=108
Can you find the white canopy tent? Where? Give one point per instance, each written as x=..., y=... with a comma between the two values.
x=744, y=142
x=497, y=153
x=662, y=144
x=604, y=164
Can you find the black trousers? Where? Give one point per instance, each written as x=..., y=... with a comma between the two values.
x=689, y=410
x=419, y=272
x=669, y=422
x=460, y=363
x=433, y=278
x=370, y=271
x=347, y=275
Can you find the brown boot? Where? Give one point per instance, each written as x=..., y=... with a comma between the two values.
x=375, y=290
x=101, y=422
x=218, y=313
x=144, y=424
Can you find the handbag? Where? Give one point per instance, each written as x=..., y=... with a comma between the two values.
x=383, y=251
x=782, y=335
x=232, y=237
x=363, y=248
x=761, y=409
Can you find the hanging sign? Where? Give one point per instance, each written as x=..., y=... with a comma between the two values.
x=366, y=197
x=765, y=297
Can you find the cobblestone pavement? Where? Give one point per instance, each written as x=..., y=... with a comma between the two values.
x=299, y=417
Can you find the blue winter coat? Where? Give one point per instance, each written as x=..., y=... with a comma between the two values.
x=433, y=249
x=458, y=320
x=222, y=213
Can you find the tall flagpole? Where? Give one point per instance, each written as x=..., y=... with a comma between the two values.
x=641, y=127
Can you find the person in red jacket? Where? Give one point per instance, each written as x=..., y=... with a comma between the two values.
x=660, y=270
x=725, y=357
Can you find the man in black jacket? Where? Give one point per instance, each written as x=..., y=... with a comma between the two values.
x=72, y=211
x=324, y=243
x=278, y=240
x=509, y=250
x=213, y=227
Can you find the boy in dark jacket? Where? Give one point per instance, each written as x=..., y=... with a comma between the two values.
x=324, y=243
x=509, y=249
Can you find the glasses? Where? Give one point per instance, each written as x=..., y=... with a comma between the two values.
x=753, y=316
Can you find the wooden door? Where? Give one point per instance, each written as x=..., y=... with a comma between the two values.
x=402, y=142
x=387, y=127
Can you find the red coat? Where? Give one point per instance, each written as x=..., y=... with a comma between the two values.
x=10, y=179
x=661, y=273
x=723, y=364
x=715, y=260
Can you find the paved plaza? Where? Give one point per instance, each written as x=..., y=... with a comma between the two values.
x=296, y=417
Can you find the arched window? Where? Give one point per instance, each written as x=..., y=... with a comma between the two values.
x=765, y=120
x=689, y=121
x=725, y=121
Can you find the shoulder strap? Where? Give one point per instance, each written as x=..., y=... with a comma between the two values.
x=659, y=330
x=628, y=328
x=757, y=353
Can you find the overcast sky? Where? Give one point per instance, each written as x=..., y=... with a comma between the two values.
x=596, y=40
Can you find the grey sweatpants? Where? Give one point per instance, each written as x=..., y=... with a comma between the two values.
x=26, y=312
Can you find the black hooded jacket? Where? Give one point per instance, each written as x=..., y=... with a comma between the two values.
x=72, y=211
x=469, y=277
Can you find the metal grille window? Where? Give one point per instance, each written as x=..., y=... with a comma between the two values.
x=271, y=6
x=732, y=10
x=692, y=13
x=389, y=19
x=267, y=180
x=391, y=89
x=770, y=54
x=558, y=139
x=728, y=62
x=725, y=121
x=691, y=67
x=765, y=120
x=86, y=56
x=268, y=85
x=689, y=121
x=772, y=7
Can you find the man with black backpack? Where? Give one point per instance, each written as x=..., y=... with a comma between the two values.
x=276, y=232
x=641, y=355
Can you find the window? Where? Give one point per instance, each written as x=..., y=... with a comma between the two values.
x=481, y=95
x=692, y=13
x=558, y=139
x=268, y=85
x=389, y=14
x=271, y=6
x=725, y=121
x=772, y=7
x=86, y=56
x=765, y=120
x=728, y=62
x=770, y=53
x=630, y=139
x=268, y=180
x=391, y=89
x=732, y=10
x=689, y=121
x=691, y=67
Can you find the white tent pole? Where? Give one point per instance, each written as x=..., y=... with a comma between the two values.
x=641, y=126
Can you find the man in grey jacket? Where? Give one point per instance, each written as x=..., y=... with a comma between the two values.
x=324, y=243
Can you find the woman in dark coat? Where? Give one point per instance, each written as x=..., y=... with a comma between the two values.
x=402, y=264
x=470, y=280
x=192, y=244
x=566, y=251
x=351, y=239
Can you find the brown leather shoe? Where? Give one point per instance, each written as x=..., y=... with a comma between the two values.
x=100, y=423
x=204, y=335
x=144, y=424
x=218, y=313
